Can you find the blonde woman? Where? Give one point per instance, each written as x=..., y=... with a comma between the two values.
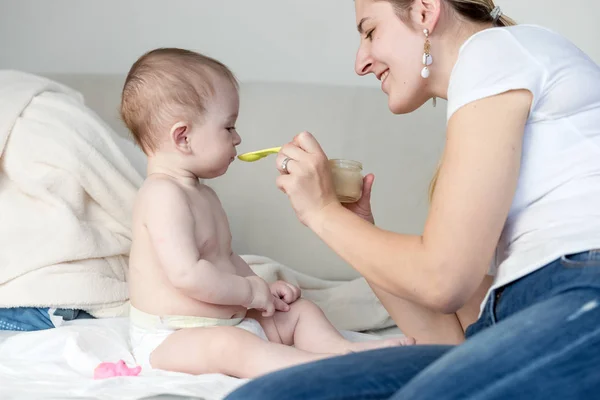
x=518, y=187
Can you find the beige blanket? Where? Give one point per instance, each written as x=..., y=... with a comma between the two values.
x=349, y=305
x=66, y=196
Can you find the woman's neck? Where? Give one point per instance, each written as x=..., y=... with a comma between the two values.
x=448, y=40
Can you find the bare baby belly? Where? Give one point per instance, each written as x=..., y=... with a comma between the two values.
x=163, y=300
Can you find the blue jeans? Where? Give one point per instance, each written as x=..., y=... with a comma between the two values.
x=34, y=319
x=538, y=338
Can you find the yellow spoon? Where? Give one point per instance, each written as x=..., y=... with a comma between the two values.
x=257, y=155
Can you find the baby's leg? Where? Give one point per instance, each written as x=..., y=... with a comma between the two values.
x=306, y=327
x=226, y=350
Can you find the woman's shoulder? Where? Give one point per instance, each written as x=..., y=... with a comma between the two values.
x=500, y=59
x=522, y=40
x=494, y=61
x=511, y=33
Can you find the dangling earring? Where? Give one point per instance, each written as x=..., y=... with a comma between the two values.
x=427, y=59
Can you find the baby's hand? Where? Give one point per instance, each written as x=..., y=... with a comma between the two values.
x=262, y=299
x=285, y=291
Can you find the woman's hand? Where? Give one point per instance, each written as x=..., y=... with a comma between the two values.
x=362, y=207
x=306, y=180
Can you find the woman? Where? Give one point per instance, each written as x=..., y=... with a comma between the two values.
x=518, y=185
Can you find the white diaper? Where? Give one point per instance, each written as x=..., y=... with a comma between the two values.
x=147, y=331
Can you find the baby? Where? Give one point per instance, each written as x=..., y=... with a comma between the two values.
x=196, y=306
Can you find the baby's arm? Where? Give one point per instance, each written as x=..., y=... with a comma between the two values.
x=171, y=227
x=280, y=289
x=242, y=266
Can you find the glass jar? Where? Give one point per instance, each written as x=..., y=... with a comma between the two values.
x=347, y=179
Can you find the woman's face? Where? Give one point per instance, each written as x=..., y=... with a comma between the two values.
x=393, y=52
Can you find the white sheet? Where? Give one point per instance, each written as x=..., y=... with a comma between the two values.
x=59, y=363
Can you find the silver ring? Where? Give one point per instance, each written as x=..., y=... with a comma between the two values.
x=284, y=164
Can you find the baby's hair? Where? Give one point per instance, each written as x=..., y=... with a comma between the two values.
x=167, y=85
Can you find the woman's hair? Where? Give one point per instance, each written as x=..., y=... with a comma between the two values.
x=471, y=10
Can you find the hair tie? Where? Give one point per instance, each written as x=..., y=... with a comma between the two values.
x=496, y=13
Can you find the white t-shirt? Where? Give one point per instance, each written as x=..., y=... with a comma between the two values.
x=556, y=208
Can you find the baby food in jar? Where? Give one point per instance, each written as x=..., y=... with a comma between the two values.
x=347, y=179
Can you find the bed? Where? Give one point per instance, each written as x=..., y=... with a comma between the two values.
x=69, y=182
x=59, y=364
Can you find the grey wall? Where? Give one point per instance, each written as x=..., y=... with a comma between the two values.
x=308, y=47
x=261, y=40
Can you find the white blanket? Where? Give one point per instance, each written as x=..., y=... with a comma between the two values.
x=66, y=195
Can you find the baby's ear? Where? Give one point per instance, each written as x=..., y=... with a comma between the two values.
x=180, y=137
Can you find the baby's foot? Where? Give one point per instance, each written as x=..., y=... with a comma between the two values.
x=378, y=344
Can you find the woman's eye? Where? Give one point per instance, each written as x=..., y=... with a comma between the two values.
x=369, y=34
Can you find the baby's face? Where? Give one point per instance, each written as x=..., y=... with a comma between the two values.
x=214, y=141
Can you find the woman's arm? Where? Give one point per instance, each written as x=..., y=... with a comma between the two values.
x=430, y=327
x=414, y=320
x=442, y=268
x=419, y=322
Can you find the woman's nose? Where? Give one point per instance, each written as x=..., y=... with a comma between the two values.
x=364, y=63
